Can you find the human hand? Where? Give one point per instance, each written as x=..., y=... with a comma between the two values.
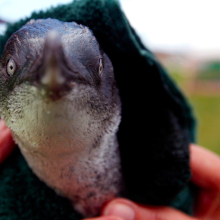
x=205, y=167
x=7, y=144
x=123, y=209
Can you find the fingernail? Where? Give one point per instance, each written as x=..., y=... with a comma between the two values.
x=120, y=210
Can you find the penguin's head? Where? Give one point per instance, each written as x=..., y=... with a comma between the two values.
x=54, y=56
x=52, y=72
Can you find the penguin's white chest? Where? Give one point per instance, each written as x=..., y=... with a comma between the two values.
x=67, y=147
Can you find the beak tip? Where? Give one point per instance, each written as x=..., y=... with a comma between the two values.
x=52, y=78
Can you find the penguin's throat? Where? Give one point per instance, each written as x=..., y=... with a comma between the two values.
x=54, y=131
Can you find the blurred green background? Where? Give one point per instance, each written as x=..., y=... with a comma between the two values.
x=201, y=85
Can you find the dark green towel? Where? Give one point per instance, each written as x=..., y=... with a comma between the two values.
x=157, y=123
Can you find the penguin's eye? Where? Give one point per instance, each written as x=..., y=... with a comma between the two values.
x=99, y=67
x=11, y=67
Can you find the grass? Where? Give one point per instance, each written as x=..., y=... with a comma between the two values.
x=207, y=111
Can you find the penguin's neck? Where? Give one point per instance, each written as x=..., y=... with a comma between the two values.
x=89, y=178
x=69, y=145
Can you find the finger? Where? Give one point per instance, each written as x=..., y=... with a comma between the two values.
x=207, y=205
x=6, y=142
x=105, y=218
x=205, y=166
x=128, y=210
x=2, y=125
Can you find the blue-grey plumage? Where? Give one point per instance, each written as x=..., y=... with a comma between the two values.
x=60, y=100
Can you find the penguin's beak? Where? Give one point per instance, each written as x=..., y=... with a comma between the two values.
x=54, y=71
x=52, y=77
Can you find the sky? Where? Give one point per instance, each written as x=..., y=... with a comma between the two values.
x=172, y=25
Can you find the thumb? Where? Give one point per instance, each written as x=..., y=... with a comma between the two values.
x=6, y=142
x=128, y=210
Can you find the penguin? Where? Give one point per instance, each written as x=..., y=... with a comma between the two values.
x=59, y=99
